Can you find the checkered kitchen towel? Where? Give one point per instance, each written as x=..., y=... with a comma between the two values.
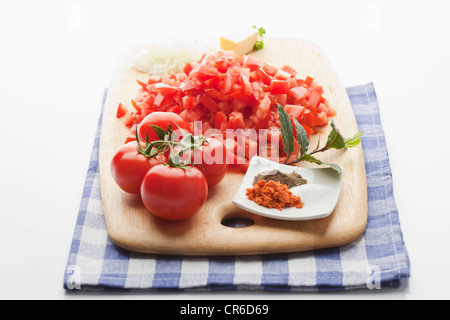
x=378, y=259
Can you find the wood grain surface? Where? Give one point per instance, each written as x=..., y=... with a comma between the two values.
x=132, y=227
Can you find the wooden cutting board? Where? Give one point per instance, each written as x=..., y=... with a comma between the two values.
x=132, y=227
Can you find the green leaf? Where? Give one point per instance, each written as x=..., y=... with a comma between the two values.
x=302, y=137
x=353, y=141
x=261, y=31
x=337, y=141
x=311, y=159
x=335, y=138
x=287, y=133
x=260, y=43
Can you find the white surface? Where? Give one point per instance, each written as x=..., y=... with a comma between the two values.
x=319, y=195
x=58, y=56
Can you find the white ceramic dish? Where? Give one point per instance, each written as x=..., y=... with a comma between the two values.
x=320, y=195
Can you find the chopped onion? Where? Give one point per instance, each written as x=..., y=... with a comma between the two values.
x=170, y=56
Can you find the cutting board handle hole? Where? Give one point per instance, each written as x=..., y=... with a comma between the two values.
x=237, y=222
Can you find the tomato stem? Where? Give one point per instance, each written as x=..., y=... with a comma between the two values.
x=166, y=143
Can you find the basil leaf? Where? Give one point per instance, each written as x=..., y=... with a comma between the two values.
x=353, y=141
x=287, y=133
x=335, y=138
x=311, y=159
x=302, y=137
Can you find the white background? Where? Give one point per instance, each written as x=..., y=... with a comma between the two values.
x=57, y=57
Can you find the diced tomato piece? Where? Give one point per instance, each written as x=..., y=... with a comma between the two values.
x=149, y=99
x=298, y=93
x=292, y=82
x=188, y=68
x=130, y=119
x=121, y=111
x=175, y=109
x=222, y=64
x=189, y=102
x=209, y=103
x=190, y=115
x=136, y=106
x=323, y=118
x=225, y=107
x=162, y=102
x=188, y=87
x=279, y=86
x=228, y=81
x=206, y=126
x=263, y=76
x=246, y=147
x=312, y=119
x=294, y=110
x=213, y=82
x=212, y=92
x=263, y=108
x=323, y=108
x=282, y=75
x=164, y=88
x=308, y=82
x=309, y=131
x=197, y=83
x=206, y=72
x=331, y=111
x=131, y=135
x=269, y=69
x=289, y=70
x=236, y=120
x=300, y=82
x=315, y=95
x=279, y=98
x=241, y=98
x=142, y=84
x=252, y=62
x=220, y=118
x=154, y=79
x=159, y=100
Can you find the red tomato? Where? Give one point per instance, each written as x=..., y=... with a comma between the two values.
x=129, y=167
x=174, y=193
x=212, y=161
x=162, y=120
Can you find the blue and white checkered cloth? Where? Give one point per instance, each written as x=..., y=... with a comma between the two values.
x=378, y=259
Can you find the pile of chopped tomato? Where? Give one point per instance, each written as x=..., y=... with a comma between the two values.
x=226, y=92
